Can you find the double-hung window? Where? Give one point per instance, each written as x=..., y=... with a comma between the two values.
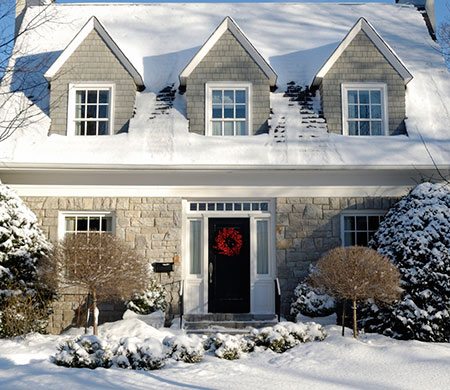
x=90, y=110
x=365, y=109
x=228, y=109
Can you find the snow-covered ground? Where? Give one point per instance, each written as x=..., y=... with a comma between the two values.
x=372, y=362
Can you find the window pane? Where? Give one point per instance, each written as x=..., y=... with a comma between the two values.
x=353, y=128
x=238, y=206
x=361, y=223
x=363, y=97
x=195, y=247
x=228, y=96
x=376, y=112
x=103, y=111
x=92, y=111
x=217, y=112
x=352, y=111
x=352, y=97
x=79, y=128
x=241, y=128
x=228, y=128
x=240, y=111
x=262, y=245
x=219, y=206
x=217, y=128
x=349, y=223
x=374, y=222
x=202, y=206
x=211, y=206
x=375, y=97
x=91, y=128
x=264, y=206
x=246, y=206
x=82, y=224
x=106, y=224
x=80, y=97
x=228, y=112
x=103, y=128
x=80, y=111
x=92, y=96
x=364, y=128
x=70, y=224
x=193, y=206
x=349, y=239
x=364, y=112
x=103, y=96
x=94, y=224
x=240, y=97
x=255, y=206
x=361, y=238
x=229, y=206
x=216, y=96
x=377, y=129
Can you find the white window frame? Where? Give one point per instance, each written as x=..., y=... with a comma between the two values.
x=209, y=86
x=358, y=213
x=63, y=214
x=382, y=87
x=71, y=105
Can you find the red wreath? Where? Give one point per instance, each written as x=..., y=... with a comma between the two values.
x=228, y=242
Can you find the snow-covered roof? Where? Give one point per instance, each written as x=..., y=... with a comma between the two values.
x=295, y=39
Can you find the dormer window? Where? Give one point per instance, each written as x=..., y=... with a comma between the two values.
x=364, y=109
x=90, y=110
x=228, y=109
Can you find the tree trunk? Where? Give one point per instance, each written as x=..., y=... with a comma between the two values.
x=343, y=317
x=355, y=328
x=95, y=312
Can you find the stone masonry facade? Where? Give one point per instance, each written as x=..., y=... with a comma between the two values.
x=150, y=225
x=227, y=61
x=306, y=228
x=362, y=62
x=92, y=63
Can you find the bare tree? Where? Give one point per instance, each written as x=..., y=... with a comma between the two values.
x=100, y=264
x=443, y=35
x=357, y=273
x=22, y=85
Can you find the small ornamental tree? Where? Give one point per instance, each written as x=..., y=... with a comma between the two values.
x=415, y=235
x=23, y=296
x=357, y=273
x=101, y=264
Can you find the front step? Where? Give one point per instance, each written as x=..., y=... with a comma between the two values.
x=226, y=322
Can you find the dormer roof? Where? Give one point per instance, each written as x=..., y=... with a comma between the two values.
x=94, y=24
x=229, y=24
x=363, y=25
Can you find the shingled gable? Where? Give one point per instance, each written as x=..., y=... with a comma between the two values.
x=94, y=24
x=229, y=24
x=375, y=38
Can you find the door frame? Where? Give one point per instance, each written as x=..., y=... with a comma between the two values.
x=262, y=295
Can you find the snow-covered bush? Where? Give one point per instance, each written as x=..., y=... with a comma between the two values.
x=286, y=335
x=151, y=300
x=22, y=246
x=415, y=235
x=135, y=354
x=312, y=302
x=230, y=347
x=185, y=348
x=84, y=352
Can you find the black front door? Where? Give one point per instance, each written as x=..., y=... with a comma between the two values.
x=229, y=265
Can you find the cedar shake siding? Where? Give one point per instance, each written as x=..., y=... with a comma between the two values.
x=92, y=63
x=227, y=61
x=362, y=62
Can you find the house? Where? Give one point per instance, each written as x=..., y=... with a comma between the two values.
x=236, y=142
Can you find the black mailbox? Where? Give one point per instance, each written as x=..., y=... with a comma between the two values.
x=162, y=267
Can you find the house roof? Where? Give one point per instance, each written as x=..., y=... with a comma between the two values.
x=363, y=25
x=229, y=24
x=94, y=24
x=159, y=40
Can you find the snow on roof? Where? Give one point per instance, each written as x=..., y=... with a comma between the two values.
x=295, y=39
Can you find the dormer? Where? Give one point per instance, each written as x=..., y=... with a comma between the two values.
x=228, y=85
x=92, y=85
x=362, y=85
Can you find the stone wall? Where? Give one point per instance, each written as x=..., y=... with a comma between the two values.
x=227, y=61
x=362, y=62
x=150, y=225
x=92, y=63
x=306, y=229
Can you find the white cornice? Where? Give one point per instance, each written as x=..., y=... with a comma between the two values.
x=380, y=43
x=94, y=24
x=229, y=24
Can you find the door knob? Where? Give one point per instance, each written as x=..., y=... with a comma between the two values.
x=210, y=270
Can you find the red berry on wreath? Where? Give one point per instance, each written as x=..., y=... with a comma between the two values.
x=228, y=242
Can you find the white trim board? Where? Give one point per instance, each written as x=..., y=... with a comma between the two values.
x=94, y=24
x=380, y=43
x=229, y=24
